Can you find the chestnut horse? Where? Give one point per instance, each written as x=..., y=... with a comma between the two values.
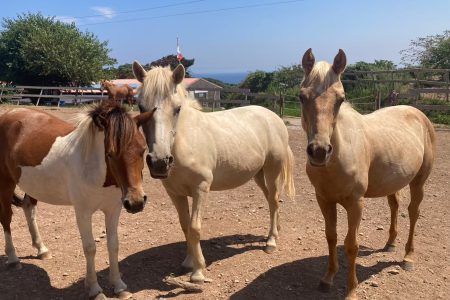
x=195, y=152
x=118, y=93
x=351, y=156
x=96, y=165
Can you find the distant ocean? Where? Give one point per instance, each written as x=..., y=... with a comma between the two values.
x=231, y=78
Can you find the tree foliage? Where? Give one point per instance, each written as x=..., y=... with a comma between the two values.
x=432, y=51
x=125, y=71
x=172, y=61
x=257, y=81
x=40, y=50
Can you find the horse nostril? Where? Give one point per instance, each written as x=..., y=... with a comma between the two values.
x=309, y=150
x=127, y=204
x=145, y=199
x=170, y=159
x=329, y=149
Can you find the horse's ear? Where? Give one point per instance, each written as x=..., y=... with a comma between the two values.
x=138, y=71
x=340, y=61
x=99, y=121
x=143, y=118
x=308, y=61
x=178, y=74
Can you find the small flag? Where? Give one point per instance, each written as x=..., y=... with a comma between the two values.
x=179, y=55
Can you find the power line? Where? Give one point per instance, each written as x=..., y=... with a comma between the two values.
x=196, y=12
x=133, y=11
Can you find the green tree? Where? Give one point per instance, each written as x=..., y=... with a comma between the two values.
x=124, y=71
x=172, y=61
x=40, y=50
x=432, y=51
x=257, y=81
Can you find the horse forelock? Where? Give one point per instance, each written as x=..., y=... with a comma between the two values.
x=120, y=127
x=158, y=87
x=321, y=77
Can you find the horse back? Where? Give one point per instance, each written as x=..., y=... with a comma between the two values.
x=28, y=135
x=402, y=145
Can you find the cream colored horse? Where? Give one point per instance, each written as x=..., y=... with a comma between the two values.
x=195, y=152
x=351, y=156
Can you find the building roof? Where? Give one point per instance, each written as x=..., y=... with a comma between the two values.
x=195, y=83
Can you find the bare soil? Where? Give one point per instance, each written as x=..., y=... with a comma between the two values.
x=234, y=228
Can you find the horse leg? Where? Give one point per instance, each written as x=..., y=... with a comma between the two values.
x=413, y=210
x=198, y=200
x=393, y=204
x=111, y=224
x=6, y=194
x=354, y=212
x=29, y=209
x=182, y=205
x=271, y=240
x=330, y=215
x=84, y=222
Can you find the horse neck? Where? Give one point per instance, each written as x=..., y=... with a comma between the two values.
x=348, y=127
x=84, y=148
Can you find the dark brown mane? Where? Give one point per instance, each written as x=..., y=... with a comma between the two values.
x=117, y=124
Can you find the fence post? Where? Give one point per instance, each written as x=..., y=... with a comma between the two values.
x=1, y=93
x=447, y=75
x=392, y=80
x=281, y=105
x=417, y=84
x=20, y=96
x=39, y=98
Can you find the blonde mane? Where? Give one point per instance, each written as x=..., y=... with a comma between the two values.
x=321, y=76
x=158, y=87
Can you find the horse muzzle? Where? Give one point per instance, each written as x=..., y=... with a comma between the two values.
x=159, y=168
x=134, y=206
x=319, y=155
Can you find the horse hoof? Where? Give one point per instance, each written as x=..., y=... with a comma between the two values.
x=270, y=249
x=324, y=287
x=408, y=265
x=389, y=248
x=14, y=266
x=45, y=255
x=99, y=296
x=197, y=278
x=123, y=295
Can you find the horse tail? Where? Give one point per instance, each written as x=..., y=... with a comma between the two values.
x=287, y=174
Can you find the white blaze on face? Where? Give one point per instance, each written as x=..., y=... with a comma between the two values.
x=161, y=137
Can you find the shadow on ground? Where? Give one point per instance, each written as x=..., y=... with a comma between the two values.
x=300, y=279
x=146, y=269
x=141, y=271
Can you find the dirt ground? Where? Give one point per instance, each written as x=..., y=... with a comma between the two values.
x=234, y=227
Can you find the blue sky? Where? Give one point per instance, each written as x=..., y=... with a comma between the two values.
x=259, y=36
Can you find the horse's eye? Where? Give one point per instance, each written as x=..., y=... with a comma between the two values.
x=177, y=110
x=108, y=154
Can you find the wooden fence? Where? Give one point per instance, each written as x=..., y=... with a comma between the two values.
x=413, y=84
x=50, y=94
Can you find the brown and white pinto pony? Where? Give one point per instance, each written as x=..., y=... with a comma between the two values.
x=352, y=156
x=118, y=93
x=96, y=165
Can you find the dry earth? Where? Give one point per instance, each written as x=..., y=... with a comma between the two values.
x=234, y=227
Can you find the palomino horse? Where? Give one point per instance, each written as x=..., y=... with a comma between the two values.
x=95, y=165
x=210, y=151
x=118, y=93
x=351, y=156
